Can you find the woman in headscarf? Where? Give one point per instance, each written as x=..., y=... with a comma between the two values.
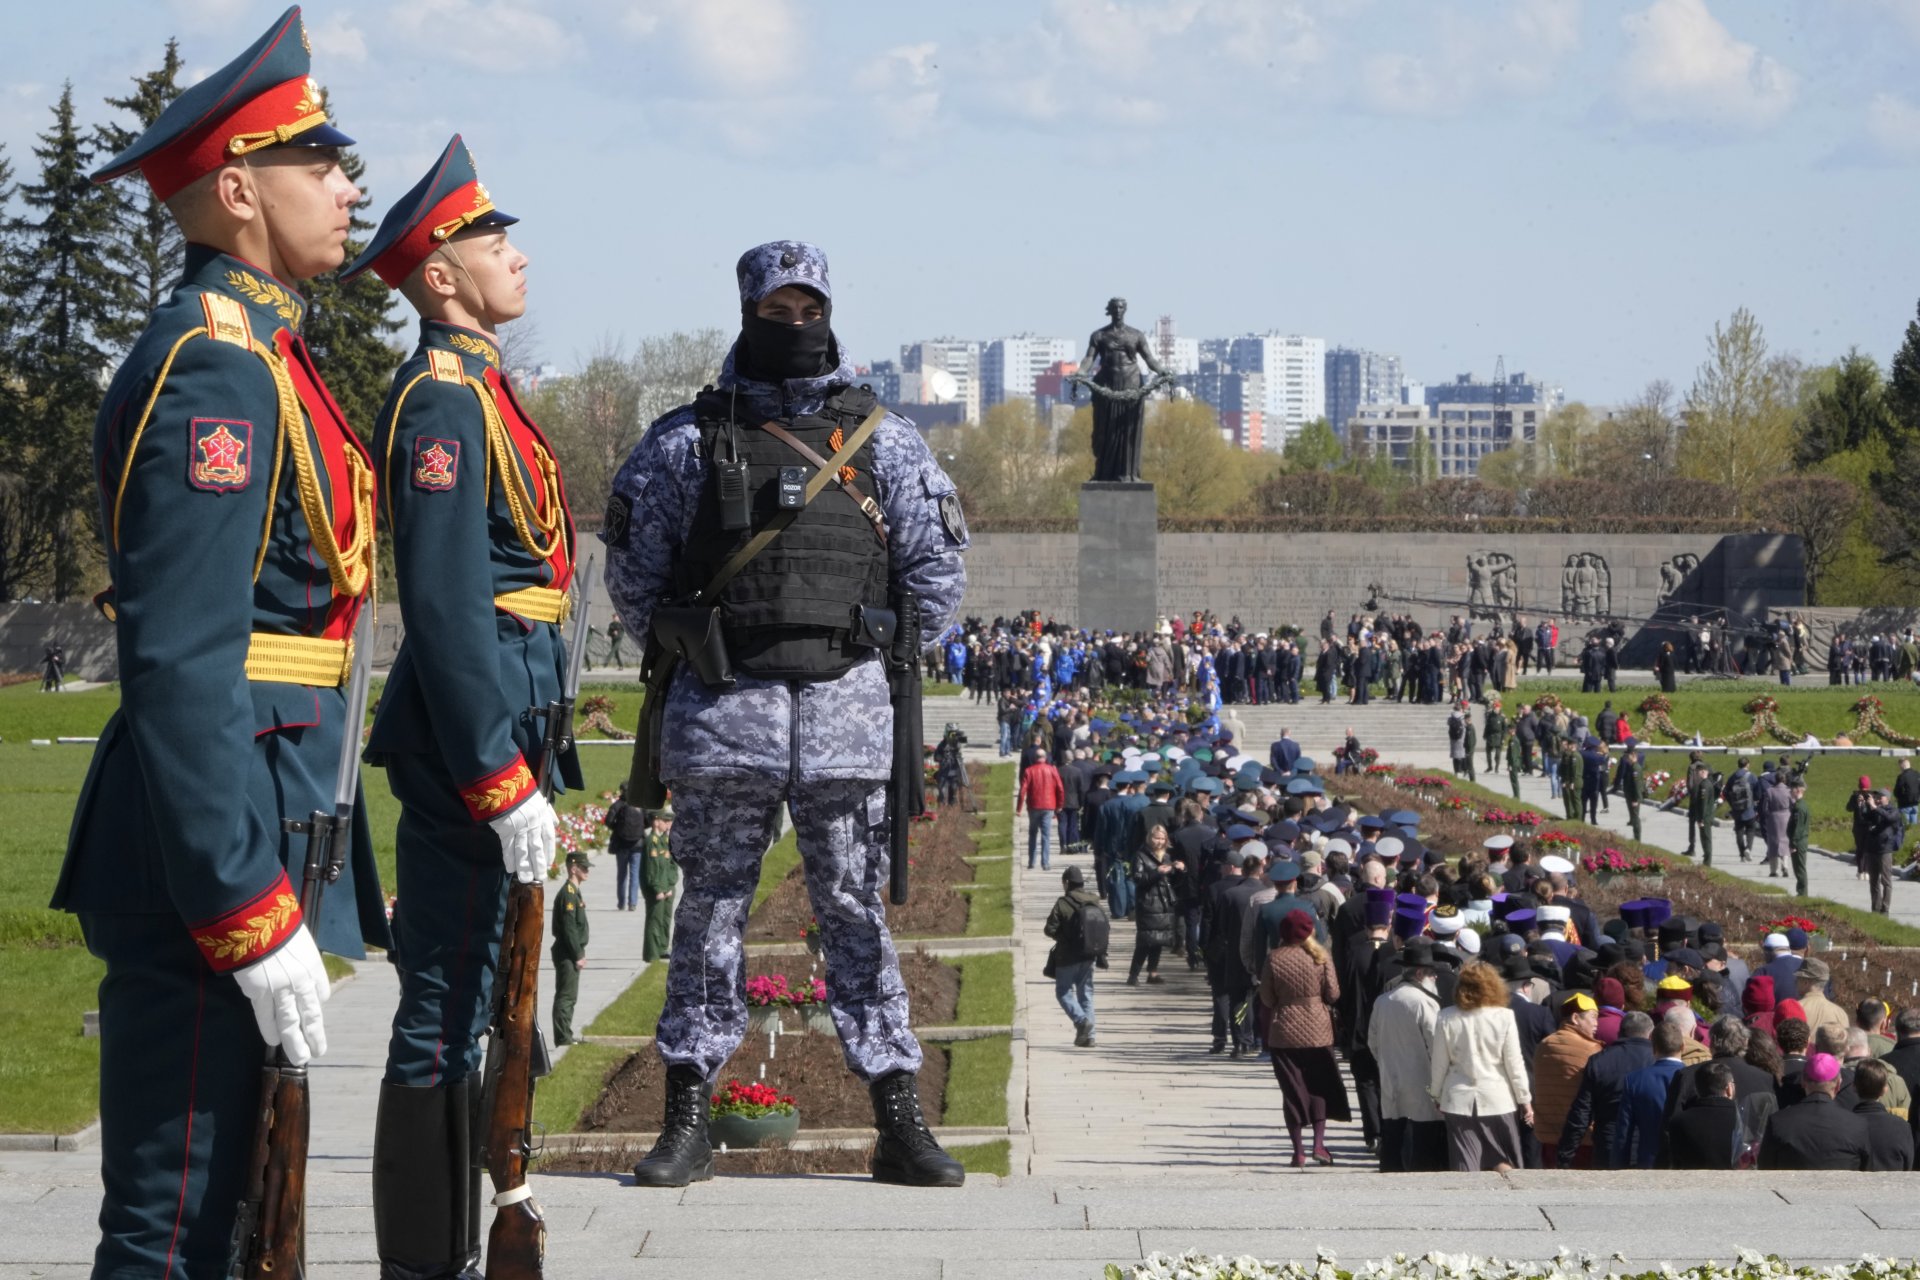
x=1301, y=989
x=1480, y=1075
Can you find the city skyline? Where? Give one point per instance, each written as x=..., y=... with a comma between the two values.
x=1585, y=189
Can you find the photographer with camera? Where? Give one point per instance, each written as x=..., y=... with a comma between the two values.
x=949, y=766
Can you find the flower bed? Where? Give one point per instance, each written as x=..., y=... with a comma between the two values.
x=773, y=992
x=1748, y=1265
x=1497, y=817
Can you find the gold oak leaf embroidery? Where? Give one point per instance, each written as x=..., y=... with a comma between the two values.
x=266, y=293
x=474, y=346
x=501, y=794
x=259, y=933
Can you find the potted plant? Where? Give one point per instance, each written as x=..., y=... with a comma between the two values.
x=748, y=1115
x=1604, y=865
x=811, y=936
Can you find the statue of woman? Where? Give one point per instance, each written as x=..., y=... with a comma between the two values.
x=1119, y=400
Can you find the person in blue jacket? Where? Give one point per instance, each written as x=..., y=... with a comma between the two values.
x=483, y=548
x=236, y=512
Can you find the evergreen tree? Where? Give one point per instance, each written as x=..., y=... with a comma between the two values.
x=1847, y=412
x=348, y=324
x=69, y=297
x=144, y=244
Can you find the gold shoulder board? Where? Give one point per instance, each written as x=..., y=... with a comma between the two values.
x=446, y=367
x=227, y=320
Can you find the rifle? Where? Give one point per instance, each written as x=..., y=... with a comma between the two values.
x=516, y=1051
x=269, y=1231
x=907, y=783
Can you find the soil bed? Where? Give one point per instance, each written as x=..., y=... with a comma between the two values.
x=809, y=1067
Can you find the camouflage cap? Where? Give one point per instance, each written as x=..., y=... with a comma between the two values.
x=779, y=263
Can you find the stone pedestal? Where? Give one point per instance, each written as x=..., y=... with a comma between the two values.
x=1119, y=557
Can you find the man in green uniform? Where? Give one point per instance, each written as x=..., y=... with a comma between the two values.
x=1513, y=765
x=1626, y=780
x=1703, y=795
x=658, y=879
x=569, y=946
x=1799, y=825
x=1495, y=728
x=1570, y=778
x=236, y=519
x=1467, y=729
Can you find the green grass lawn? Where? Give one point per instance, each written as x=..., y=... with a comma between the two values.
x=991, y=912
x=977, y=1081
x=564, y=1096
x=49, y=1072
x=1829, y=782
x=985, y=1157
x=1714, y=707
x=986, y=990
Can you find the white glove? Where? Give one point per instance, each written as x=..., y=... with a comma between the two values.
x=287, y=989
x=526, y=838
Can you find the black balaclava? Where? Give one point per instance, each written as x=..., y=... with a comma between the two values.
x=772, y=351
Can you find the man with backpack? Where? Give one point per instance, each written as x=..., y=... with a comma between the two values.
x=1740, y=795
x=1078, y=926
x=626, y=830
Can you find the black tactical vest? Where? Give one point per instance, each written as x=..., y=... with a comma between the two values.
x=788, y=614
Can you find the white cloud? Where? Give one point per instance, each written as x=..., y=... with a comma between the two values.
x=212, y=13
x=752, y=47
x=905, y=86
x=1467, y=58
x=1684, y=66
x=498, y=36
x=337, y=39
x=1893, y=124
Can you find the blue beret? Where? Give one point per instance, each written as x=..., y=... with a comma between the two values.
x=1283, y=871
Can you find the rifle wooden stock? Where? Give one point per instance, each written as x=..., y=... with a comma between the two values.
x=270, y=1236
x=517, y=1243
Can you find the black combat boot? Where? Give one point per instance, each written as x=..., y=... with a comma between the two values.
x=907, y=1152
x=682, y=1154
x=425, y=1189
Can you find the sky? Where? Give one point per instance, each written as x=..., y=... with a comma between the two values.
x=1583, y=188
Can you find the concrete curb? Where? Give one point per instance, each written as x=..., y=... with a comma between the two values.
x=85, y=1140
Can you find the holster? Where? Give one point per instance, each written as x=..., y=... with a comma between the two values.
x=692, y=633
x=644, y=788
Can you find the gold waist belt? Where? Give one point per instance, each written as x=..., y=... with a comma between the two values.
x=308, y=660
x=542, y=604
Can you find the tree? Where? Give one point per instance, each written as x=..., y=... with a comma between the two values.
x=1739, y=411
x=69, y=299
x=1314, y=447
x=1007, y=467
x=1846, y=411
x=1903, y=383
x=347, y=324
x=595, y=417
x=143, y=241
x=1196, y=471
x=1820, y=508
x=1292, y=494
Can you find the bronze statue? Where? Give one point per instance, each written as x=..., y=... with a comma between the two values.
x=1119, y=399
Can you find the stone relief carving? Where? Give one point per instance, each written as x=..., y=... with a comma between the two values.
x=1673, y=572
x=1586, y=585
x=1493, y=584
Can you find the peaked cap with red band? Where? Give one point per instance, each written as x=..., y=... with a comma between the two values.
x=263, y=98
x=441, y=205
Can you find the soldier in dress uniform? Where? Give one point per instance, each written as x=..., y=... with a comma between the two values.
x=237, y=516
x=569, y=946
x=805, y=721
x=483, y=550
x=659, y=877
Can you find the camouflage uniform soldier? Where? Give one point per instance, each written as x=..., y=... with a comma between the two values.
x=803, y=720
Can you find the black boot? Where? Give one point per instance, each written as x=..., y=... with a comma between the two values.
x=907, y=1153
x=426, y=1209
x=682, y=1154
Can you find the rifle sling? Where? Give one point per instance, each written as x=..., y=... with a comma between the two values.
x=762, y=540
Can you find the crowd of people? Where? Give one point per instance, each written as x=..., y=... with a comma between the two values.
x=1486, y=1016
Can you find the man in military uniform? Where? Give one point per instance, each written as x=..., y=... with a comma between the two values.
x=804, y=719
x=569, y=946
x=659, y=877
x=236, y=514
x=483, y=550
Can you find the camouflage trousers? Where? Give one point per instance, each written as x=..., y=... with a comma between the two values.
x=721, y=831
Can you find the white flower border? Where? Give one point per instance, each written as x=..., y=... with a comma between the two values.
x=1565, y=1265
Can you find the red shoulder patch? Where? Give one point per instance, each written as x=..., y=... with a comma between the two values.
x=220, y=454
x=436, y=463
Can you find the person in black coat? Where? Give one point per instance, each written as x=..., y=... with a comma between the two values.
x=1706, y=1133
x=1753, y=1089
x=1815, y=1132
x=1889, y=1138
